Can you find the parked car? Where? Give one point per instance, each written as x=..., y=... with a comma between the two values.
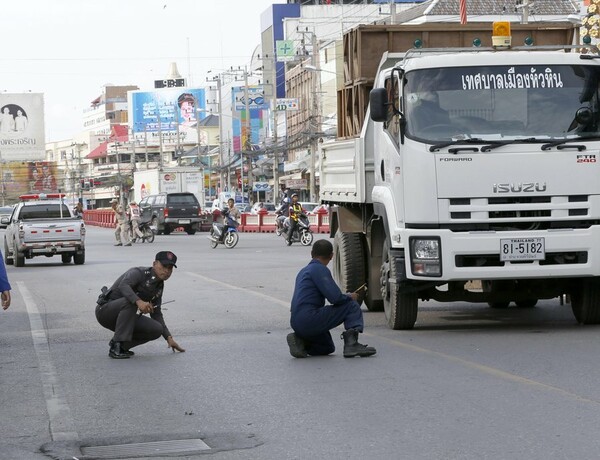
x=243, y=207
x=168, y=211
x=270, y=207
x=5, y=211
x=318, y=208
x=309, y=207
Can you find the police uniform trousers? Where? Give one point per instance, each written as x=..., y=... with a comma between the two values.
x=312, y=324
x=131, y=329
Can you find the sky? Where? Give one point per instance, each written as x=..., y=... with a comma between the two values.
x=70, y=49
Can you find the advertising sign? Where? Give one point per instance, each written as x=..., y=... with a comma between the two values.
x=289, y=104
x=171, y=112
x=285, y=50
x=256, y=97
x=22, y=126
x=244, y=138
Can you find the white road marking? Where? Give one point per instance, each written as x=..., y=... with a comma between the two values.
x=236, y=288
x=62, y=427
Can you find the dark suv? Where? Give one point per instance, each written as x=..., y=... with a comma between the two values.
x=168, y=211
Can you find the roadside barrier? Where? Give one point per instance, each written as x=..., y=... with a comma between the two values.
x=252, y=223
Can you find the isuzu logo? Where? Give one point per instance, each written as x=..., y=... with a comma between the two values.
x=521, y=187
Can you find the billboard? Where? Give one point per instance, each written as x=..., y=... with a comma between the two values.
x=20, y=177
x=171, y=113
x=242, y=120
x=22, y=126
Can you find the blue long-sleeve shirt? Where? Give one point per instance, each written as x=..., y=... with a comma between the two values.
x=314, y=285
x=4, y=284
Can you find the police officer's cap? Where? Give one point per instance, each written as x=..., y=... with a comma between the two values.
x=166, y=258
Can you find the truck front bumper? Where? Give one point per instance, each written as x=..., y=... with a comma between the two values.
x=476, y=255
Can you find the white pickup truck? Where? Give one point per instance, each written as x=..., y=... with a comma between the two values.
x=43, y=225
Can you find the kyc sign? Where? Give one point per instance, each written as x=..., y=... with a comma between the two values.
x=284, y=50
x=289, y=104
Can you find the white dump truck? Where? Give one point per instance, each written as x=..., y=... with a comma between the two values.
x=472, y=164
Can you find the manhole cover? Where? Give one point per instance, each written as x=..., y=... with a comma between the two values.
x=177, y=446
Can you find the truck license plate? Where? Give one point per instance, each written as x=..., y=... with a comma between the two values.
x=184, y=221
x=522, y=249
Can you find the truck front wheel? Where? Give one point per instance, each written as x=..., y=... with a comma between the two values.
x=349, y=262
x=585, y=301
x=400, y=307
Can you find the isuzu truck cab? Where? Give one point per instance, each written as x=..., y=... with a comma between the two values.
x=477, y=165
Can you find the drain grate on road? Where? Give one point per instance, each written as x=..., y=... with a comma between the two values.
x=178, y=446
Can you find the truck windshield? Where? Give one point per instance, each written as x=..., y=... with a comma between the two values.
x=500, y=102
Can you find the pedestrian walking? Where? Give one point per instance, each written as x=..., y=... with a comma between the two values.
x=312, y=320
x=121, y=230
x=123, y=307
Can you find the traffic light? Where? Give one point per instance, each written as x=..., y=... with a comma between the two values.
x=91, y=183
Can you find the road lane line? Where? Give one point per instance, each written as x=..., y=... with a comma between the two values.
x=236, y=288
x=62, y=427
x=504, y=375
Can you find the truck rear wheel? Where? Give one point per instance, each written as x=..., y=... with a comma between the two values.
x=349, y=266
x=79, y=258
x=400, y=307
x=585, y=301
x=66, y=258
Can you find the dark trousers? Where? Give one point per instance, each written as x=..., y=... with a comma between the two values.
x=312, y=324
x=131, y=330
x=293, y=226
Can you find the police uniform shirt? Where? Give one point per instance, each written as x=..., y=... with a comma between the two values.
x=141, y=283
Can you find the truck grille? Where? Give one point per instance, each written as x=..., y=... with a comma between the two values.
x=497, y=213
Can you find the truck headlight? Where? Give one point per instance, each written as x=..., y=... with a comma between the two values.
x=426, y=256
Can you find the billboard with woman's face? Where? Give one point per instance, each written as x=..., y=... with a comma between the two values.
x=166, y=111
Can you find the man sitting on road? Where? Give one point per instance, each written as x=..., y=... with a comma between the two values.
x=136, y=292
x=312, y=320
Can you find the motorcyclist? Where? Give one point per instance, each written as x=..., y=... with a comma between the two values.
x=282, y=213
x=234, y=212
x=295, y=210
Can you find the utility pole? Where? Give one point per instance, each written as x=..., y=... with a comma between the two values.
x=220, y=107
x=314, y=118
x=247, y=146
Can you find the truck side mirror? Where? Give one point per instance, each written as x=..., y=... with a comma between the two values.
x=378, y=102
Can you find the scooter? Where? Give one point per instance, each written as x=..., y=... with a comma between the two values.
x=226, y=234
x=147, y=233
x=302, y=233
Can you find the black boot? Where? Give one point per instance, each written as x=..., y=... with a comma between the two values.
x=129, y=352
x=351, y=346
x=117, y=351
x=297, y=346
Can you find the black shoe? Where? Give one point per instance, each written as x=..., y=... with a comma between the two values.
x=119, y=244
x=351, y=346
x=289, y=243
x=117, y=351
x=128, y=244
x=129, y=352
x=296, y=345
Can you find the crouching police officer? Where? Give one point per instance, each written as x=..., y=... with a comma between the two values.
x=136, y=292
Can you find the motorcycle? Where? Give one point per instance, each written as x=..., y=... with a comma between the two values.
x=226, y=234
x=147, y=230
x=302, y=233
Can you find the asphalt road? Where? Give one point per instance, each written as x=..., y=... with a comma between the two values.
x=468, y=383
